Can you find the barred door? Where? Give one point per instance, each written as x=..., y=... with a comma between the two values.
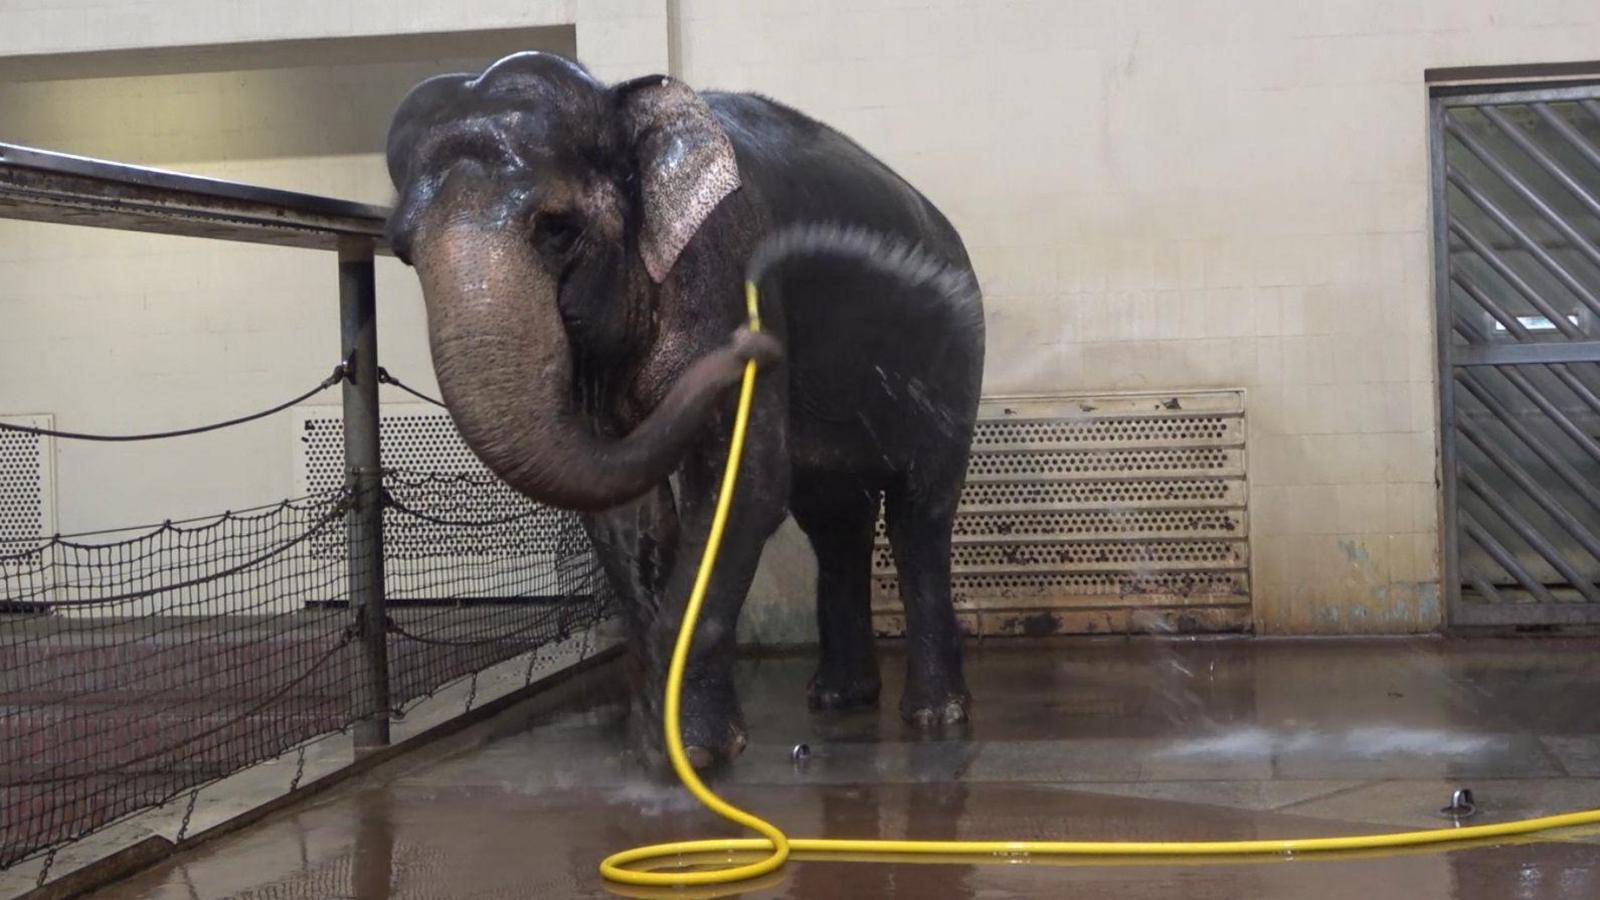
x=1517, y=254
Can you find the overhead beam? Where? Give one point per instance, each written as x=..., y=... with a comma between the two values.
x=44, y=186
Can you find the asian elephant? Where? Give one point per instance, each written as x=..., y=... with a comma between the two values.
x=581, y=250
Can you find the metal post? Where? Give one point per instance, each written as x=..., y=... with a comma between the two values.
x=358, y=331
x=1444, y=311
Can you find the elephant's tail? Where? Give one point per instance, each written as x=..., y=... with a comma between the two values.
x=908, y=262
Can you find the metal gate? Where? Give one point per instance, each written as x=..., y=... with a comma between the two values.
x=1517, y=255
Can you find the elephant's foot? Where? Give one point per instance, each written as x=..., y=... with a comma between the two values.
x=709, y=744
x=951, y=712
x=710, y=738
x=832, y=689
x=934, y=702
x=712, y=728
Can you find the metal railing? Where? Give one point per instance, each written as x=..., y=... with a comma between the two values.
x=266, y=601
x=44, y=186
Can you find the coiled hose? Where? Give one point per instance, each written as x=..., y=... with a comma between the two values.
x=685, y=863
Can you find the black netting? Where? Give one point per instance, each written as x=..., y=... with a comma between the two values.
x=135, y=666
x=475, y=574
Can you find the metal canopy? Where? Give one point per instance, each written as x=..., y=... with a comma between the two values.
x=43, y=186
x=1517, y=250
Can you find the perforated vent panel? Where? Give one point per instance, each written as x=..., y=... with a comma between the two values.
x=1096, y=514
x=438, y=477
x=1002, y=464
x=1086, y=429
x=27, y=498
x=415, y=438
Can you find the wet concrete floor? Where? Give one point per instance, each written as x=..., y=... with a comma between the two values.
x=1109, y=739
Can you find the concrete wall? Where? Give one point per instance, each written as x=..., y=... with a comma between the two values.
x=1187, y=195
x=617, y=38
x=121, y=332
x=1157, y=195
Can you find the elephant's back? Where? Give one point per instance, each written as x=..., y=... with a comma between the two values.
x=808, y=171
x=880, y=373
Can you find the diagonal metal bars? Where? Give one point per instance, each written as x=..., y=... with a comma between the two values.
x=1517, y=238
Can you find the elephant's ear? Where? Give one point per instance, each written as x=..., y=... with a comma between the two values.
x=684, y=161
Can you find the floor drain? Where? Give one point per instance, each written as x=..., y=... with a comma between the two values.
x=1461, y=805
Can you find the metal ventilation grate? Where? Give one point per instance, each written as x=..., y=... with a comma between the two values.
x=1112, y=555
x=27, y=495
x=1145, y=523
x=1002, y=464
x=1008, y=495
x=1098, y=514
x=415, y=438
x=1106, y=431
x=439, y=477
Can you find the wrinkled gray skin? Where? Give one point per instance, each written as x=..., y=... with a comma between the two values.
x=581, y=251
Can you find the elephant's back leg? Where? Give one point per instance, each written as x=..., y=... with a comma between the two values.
x=919, y=509
x=839, y=515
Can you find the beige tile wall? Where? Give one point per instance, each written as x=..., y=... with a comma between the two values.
x=1157, y=194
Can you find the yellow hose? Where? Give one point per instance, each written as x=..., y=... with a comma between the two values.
x=680, y=855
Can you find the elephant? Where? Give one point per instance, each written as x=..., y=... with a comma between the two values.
x=581, y=248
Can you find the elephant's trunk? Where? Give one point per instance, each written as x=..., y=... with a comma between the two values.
x=504, y=364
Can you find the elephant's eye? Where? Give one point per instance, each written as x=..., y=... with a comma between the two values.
x=556, y=234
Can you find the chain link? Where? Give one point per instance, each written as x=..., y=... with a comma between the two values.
x=183, y=827
x=44, y=870
x=533, y=660
x=385, y=378
x=299, y=770
x=339, y=374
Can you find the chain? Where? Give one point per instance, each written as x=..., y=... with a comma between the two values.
x=340, y=372
x=299, y=770
x=533, y=658
x=472, y=692
x=44, y=870
x=588, y=634
x=385, y=378
x=183, y=827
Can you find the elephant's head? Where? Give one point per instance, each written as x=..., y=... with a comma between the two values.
x=540, y=208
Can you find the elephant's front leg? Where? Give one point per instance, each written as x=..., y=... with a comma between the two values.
x=712, y=723
x=635, y=543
